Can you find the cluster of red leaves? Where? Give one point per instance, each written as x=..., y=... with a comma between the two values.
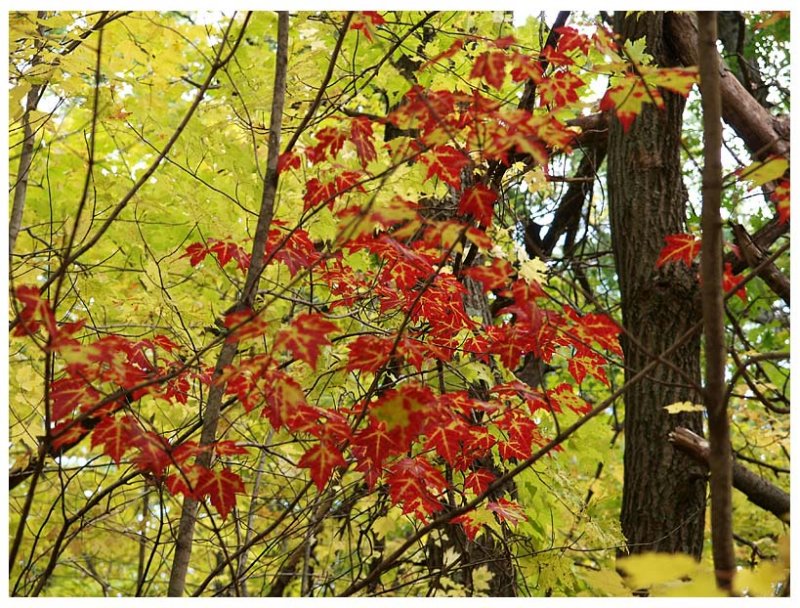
x=401, y=435
x=102, y=379
x=294, y=249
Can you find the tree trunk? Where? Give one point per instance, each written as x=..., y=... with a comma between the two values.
x=663, y=501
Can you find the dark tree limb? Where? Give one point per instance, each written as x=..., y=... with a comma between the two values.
x=751, y=121
x=753, y=256
x=758, y=490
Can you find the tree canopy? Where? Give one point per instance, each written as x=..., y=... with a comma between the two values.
x=365, y=303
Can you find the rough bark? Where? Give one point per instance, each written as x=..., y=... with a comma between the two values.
x=664, y=491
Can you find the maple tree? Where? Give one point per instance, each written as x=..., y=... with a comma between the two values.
x=305, y=318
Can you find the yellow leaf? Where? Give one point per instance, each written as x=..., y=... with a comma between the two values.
x=648, y=569
x=605, y=582
x=763, y=581
x=684, y=406
x=759, y=173
x=533, y=271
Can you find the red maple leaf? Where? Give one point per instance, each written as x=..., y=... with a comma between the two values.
x=366, y=21
x=730, y=282
x=679, y=248
x=196, y=252
x=227, y=251
x=493, y=276
x=229, y=448
x=491, y=66
x=479, y=238
x=288, y=160
x=297, y=251
x=330, y=426
x=628, y=98
x=507, y=511
x=415, y=484
x=446, y=163
x=318, y=193
x=222, y=487
x=472, y=522
x=369, y=353
x=165, y=343
x=593, y=327
x=154, y=452
x=35, y=311
x=244, y=324
x=446, y=439
x=404, y=411
x=564, y=394
x=306, y=336
x=371, y=446
x=361, y=136
x=586, y=361
x=245, y=387
x=66, y=434
x=117, y=434
x=478, y=481
x=68, y=394
x=477, y=445
x=780, y=196
x=283, y=396
x=560, y=89
x=186, y=480
x=478, y=201
x=525, y=67
x=569, y=39
x=321, y=460
x=521, y=431
x=330, y=140
x=178, y=389
x=186, y=450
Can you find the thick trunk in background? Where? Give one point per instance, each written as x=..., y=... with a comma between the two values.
x=663, y=503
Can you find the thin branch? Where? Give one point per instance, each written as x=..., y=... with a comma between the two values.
x=183, y=544
x=720, y=461
x=219, y=63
